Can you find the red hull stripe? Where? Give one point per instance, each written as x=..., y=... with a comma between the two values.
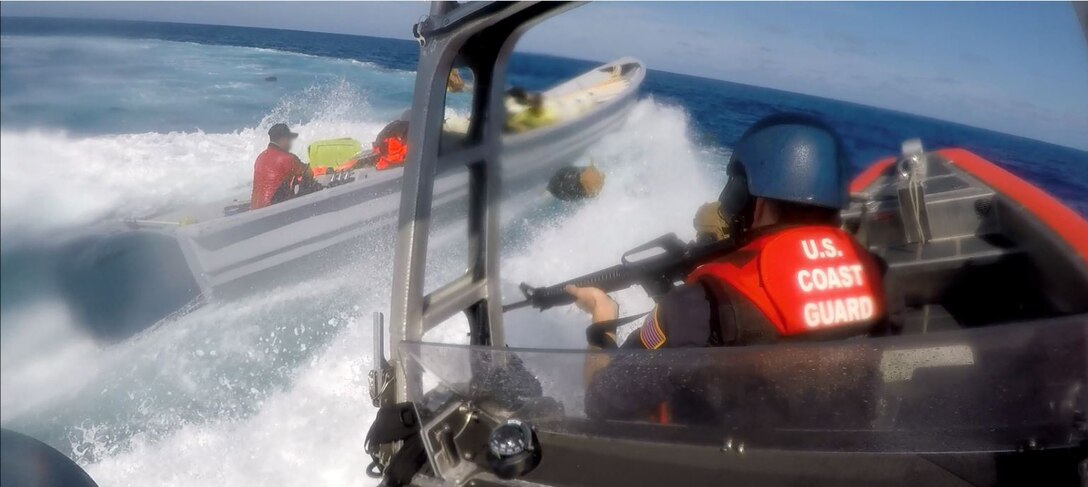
x=1064, y=222
x=869, y=175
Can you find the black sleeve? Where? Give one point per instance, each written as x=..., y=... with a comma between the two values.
x=631, y=387
x=683, y=318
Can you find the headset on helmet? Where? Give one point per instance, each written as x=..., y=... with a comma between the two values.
x=786, y=157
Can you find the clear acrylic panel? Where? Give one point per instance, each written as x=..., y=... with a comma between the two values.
x=990, y=389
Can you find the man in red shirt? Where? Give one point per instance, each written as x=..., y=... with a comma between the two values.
x=279, y=175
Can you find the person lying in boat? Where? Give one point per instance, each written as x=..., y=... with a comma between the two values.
x=279, y=175
x=517, y=99
x=794, y=274
x=388, y=150
x=536, y=114
x=391, y=145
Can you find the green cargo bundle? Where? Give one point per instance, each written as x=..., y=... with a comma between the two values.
x=333, y=152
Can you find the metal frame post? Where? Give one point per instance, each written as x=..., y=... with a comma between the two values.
x=480, y=36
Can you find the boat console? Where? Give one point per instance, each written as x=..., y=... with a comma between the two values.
x=959, y=252
x=967, y=245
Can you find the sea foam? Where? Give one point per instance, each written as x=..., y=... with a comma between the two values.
x=271, y=389
x=310, y=428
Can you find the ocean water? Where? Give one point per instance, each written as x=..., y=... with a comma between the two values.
x=101, y=120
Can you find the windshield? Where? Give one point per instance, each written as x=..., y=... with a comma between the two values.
x=978, y=390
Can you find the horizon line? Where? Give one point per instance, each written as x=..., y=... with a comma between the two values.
x=558, y=56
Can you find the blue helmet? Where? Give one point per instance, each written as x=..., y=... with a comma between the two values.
x=786, y=157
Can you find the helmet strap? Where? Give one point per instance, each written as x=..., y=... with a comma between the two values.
x=737, y=205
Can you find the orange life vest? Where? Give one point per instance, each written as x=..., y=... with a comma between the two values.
x=803, y=280
x=343, y=167
x=800, y=280
x=393, y=154
x=346, y=165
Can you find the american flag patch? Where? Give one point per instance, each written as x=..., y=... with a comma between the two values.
x=651, y=335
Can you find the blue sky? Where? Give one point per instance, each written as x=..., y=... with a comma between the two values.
x=1020, y=68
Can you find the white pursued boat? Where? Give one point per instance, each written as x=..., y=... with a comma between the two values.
x=125, y=276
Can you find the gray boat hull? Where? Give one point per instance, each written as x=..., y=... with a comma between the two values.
x=125, y=277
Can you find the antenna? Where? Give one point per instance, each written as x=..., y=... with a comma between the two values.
x=1081, y=8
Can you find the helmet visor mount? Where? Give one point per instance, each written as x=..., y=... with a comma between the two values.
x=737, y=204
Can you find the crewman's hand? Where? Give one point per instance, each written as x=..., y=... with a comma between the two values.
x=595, y=302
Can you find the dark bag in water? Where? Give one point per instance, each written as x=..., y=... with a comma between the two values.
x=576, y=183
